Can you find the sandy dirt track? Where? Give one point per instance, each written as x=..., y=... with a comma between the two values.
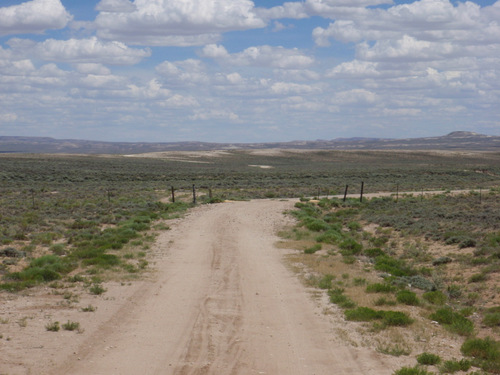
x=222, y=302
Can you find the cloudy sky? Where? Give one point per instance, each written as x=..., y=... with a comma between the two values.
x=248, y=71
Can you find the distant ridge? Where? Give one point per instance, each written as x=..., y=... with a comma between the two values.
x=458, y=140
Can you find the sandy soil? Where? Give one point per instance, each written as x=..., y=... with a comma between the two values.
x=221, y=301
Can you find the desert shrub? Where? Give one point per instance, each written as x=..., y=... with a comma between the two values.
x=452, y=366
x=441, y=260
x=428, y=359
x=416, y=281
x=45, y=268
x=454, y=291
x=395, y=267
x=412, y=371
x=350, y=247
x=453, y=321
x=316, y=225
x=363, y=314
x=396, y=318
x=338, y=297
x=326, y=282
x=492, y=317
x=331, y=236
x=380, y=288
x=313, y=249
x=407, y=297
x=96, y=289
x=435, y=297
x=486, y=349
x=53, y=327
x=373, y=252
x=478, y=277
x=71, y=326
x=354, y=226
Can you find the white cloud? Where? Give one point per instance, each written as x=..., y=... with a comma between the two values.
x=215, y=114
x=118, y=6
x=90, y=50
x=284, y=88
x=180, y=101
x=355, y=69
x=189, y=71
x=92, y=68
x=355, y=96
x=7, y=117
x=263, y=56
x=153, y=90
x=34, y=16
x=176, y=23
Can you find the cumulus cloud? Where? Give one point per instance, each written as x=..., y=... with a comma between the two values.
x=116, y=6
x=174, y=23
x=8, y=117
x=89, y=50
x=264, y=56
x=215, y=114
x=34, y=16
x=323, y=8
x=285, y=88
x=189, y=71
x=355, y=96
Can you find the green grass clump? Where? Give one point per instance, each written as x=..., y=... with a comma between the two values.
x=71, y=326
x=407, y=297
x=374, y=252
x=380, y=288
x=388, y=318
x=393, y=266
x=452, y=366
x=326, y=281
x=53, y=327
x=313, y=249
x=453, y=321
x=492, y=317
x=350, y=247
x=338, y=297
x=412, y=371
x=45, y=268
x=484, y=349
x=428, y=359
x=97, y=289
x=435, y=297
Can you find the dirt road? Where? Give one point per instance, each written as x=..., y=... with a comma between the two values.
x=222, y=302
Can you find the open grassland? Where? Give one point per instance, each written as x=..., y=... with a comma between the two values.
x=417, y=276
x=414, y=273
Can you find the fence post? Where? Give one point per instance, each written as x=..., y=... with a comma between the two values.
x=210, y=193
x=194, y=195
x=362, y=188
x=173, y=194
x=345, y=193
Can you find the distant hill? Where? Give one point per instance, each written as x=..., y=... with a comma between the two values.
x=459, y=140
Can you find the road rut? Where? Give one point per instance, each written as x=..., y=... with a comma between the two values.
x=222, y=302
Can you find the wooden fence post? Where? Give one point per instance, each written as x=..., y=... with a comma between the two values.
x=173, y=194
x=345, y=193
x=362, y=188
x=194, y=195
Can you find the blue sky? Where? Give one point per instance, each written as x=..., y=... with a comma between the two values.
x=248, y=71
